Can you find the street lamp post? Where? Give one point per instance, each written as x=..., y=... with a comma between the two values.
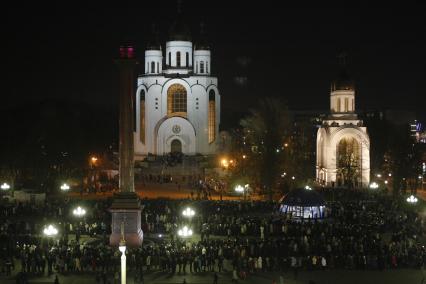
x=122, y=248
x=240, y=189
x=92, y=175
x=246, y=191
x=50, y=232
x=79, y=213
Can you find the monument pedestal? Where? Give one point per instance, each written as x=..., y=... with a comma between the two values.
x=126, y=209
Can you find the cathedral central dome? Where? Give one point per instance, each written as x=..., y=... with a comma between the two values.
x=179, y=30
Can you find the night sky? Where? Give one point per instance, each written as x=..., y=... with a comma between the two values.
x=66, y=52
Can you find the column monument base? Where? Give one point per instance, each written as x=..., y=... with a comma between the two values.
x=126, y=209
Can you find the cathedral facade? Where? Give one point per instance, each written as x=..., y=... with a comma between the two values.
x=177, y=98
x=343, y=144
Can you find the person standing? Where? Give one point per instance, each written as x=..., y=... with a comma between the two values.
x=323, y=263
x=294, y=266
x=148, y=262
x=234, y=276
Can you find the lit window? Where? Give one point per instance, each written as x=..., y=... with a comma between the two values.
x=212, y=116
x=142, y=117
x=176, y=100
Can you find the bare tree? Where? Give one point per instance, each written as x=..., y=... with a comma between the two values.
x=265, y=129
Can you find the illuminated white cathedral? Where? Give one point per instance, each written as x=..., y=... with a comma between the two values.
x=177, y=99
x=343, y=145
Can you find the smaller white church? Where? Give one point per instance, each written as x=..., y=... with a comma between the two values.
x=177, y=100
x=343, y=145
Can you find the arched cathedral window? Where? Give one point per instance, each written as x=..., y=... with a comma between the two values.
x=348, y=160
x=176, y=100
x=142, y=117
x=212, y=116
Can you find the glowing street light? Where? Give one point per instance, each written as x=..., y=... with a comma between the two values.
x=5, y=186
x=65, y=187
x=224, y=163
x=244, y=156
x=308, y=187
x=185, y=232
x=386, y=182
x=93, y=160
x=122, y=248
x=412, y=199
x=379, y=175
x=239, y=188
x=79, y=212
x=50, y=231
x=374, y=185
x=188, y=212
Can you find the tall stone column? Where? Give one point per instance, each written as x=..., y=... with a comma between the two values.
x=126, y=207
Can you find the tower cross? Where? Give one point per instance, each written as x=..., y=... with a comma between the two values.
x=342, y=58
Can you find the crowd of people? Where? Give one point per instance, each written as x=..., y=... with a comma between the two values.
x=363, y=231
